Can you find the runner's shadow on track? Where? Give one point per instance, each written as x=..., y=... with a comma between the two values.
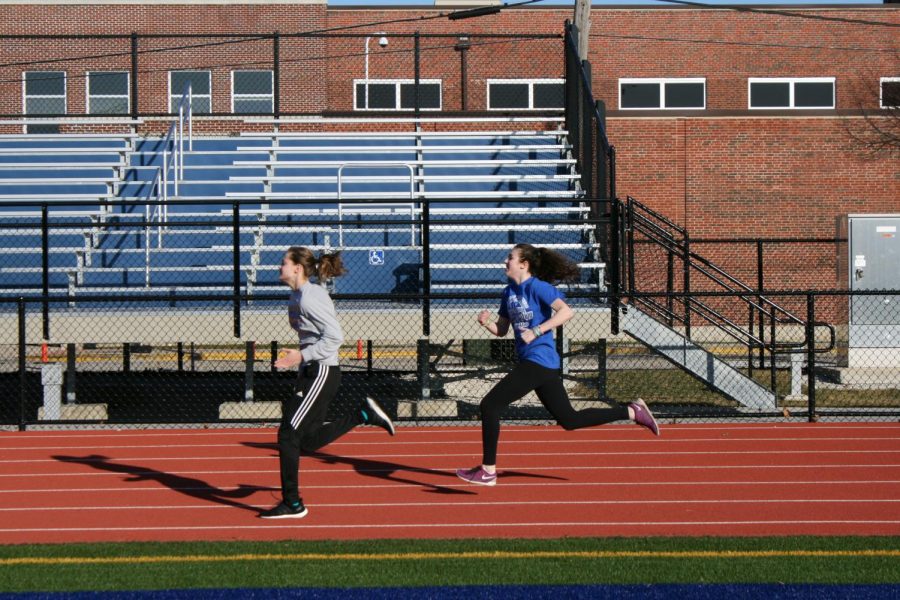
x=377, y=468
x=391, y=472
x=189, y=486
x=503, y=473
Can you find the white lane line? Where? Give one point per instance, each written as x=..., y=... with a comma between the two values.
x=282, y=525
x=573, y=441
x=506, y=484
x=413, y=470
x=453, y=429
x=231, y=458
x=364, y=505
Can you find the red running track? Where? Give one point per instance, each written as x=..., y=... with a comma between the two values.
x=695, y=480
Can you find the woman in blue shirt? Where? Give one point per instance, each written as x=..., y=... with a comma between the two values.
x=534, y=308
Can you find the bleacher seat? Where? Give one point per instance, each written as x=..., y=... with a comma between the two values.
x=288, y=184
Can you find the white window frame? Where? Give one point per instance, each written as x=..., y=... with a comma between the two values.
x=64, y=96
x=89, y=96
x=194, y=94
x=270, y=96
x=398, y=83
x=792, y=81
x=881, y=83
x=662, y=81
x=529, y=82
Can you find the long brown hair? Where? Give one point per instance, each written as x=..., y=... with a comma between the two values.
x=549, y=265
x=326, y=266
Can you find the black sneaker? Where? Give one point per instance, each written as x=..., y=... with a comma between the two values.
x=375, y=415
x=284, y=511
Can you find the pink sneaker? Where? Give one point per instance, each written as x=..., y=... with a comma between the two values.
x=643, y=416
x=477, y=475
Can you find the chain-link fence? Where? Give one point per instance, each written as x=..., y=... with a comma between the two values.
x=124, y=315
x=143, y=361
x=132, y=315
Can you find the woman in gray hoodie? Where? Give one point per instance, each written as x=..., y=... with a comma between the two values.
x=303, y=427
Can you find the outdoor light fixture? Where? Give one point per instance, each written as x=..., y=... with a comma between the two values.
x=383, y=42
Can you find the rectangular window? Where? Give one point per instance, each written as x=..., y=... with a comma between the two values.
x=793, y=93
x=662, y=94
x=201, y=90
x=44, y=93
x=107, y=93
x=526, y=94
x=890, y=92
x=252, y=92
x=396, y=94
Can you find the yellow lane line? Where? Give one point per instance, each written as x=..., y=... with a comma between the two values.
x=417, y=556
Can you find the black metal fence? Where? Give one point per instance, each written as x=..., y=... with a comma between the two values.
x=135, y=372
x=135, y=318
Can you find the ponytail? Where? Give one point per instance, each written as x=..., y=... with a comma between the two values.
x=549, y=265
x=323, y=268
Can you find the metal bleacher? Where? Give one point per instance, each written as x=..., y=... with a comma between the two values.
x=327, y=191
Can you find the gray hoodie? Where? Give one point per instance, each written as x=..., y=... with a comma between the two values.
x=312, y=315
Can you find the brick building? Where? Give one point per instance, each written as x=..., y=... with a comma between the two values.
x=732, y=123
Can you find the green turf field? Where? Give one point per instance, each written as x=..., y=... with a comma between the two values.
x=154, y=566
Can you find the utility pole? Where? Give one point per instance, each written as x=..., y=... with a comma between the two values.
x=582, y=24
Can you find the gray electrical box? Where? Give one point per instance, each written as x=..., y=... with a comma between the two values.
x=874, y=265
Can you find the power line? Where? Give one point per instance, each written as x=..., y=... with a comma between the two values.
x=647, y=38
x=782, y=13
x=311, y=32
x=268, y=63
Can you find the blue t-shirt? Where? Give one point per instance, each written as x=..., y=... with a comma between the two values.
x=526, y=306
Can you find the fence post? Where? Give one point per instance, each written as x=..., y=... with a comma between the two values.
x=45, y=268
x=612, y=172
x=687, y=286
x=134, y=77
x=811, y=356
x=236, y=266
x=760, y=285
x=422, y=369
x=631, y=259
x=670, y=287
x=70, y=373
x=249, y=361
x=773, y=332
x=276, y=80
x=23, y=379
x=751, y=346
x=601, y=369
x=615, y=274
x=426, y=268
x=417, y=72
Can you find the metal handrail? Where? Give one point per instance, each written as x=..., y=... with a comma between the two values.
x=658, y=235
x=174, y=160
x=410, y=205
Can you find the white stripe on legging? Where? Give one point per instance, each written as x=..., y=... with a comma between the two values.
x=311, y=396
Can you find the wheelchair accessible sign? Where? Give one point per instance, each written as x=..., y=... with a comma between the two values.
x=376, y=257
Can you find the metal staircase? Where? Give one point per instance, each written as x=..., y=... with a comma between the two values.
x=693, y=359
x=663, y=320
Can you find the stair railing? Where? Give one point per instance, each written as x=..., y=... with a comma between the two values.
x=660, y=231
x=171, y=150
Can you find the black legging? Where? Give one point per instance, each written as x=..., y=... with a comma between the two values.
x=303, y=426
x=548, y=385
